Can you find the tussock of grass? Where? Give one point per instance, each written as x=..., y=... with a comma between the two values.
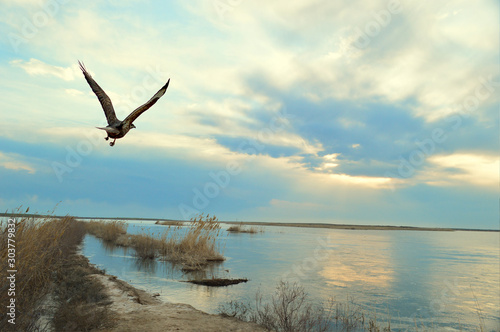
x=145, y=246
x=41, y=248
x=193, y=248
x=242, y=229
x=109, y=231
x=198, y=246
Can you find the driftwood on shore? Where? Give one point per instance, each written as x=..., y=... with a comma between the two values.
x=217, y=282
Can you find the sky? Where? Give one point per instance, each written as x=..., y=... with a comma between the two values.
x=353, y=112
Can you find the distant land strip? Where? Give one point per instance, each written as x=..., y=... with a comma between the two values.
x=260, y=223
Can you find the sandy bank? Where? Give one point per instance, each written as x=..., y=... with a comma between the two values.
x=137, y=310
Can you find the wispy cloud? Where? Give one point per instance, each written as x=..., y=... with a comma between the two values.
x=12, y=161
x=460, y=168
x=37, y=67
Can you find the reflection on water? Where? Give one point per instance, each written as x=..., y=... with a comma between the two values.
x=434, y=278
x=370, y=264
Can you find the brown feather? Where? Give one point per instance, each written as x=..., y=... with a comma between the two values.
x=105, y=101
x=141, y=109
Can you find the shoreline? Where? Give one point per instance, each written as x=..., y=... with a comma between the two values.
x=359, y=227
x=265, y=223
x=135, y=309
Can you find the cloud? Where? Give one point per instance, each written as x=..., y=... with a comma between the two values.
x=24, y=3
x=398, y=64
x=73, y=92
x=16, y=162
x=465, y=168
x=37, y=67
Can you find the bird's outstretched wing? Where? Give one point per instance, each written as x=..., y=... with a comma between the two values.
x=106, y=104
x=141, y=109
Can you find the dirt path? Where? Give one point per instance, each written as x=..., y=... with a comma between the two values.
x=136, y=310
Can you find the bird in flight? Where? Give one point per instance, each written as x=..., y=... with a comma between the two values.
x=116, y=128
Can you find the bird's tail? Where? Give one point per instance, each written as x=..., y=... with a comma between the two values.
x=110, y=130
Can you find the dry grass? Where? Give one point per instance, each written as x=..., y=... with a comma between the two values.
x=109, y=231
x=41, y=248
x=198, y=245
x=193, y=247
x=242, y=229
x=146, y=246
x=85, y=301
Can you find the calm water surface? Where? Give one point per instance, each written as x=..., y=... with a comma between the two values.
x=440, y=279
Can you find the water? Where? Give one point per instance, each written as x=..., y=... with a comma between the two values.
x=448, y=280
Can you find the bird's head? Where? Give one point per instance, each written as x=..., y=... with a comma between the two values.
x=132, y=126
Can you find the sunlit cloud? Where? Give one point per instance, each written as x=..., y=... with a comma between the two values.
x=368, y=181
x=463, y=168
x=15, y=162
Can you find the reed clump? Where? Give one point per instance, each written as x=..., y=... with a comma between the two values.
x=146, y=246
x=193, y=247
x=242, y=229
x=109, y=231
x=199, y=243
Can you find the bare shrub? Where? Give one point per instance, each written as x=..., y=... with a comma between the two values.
x=289, y=309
